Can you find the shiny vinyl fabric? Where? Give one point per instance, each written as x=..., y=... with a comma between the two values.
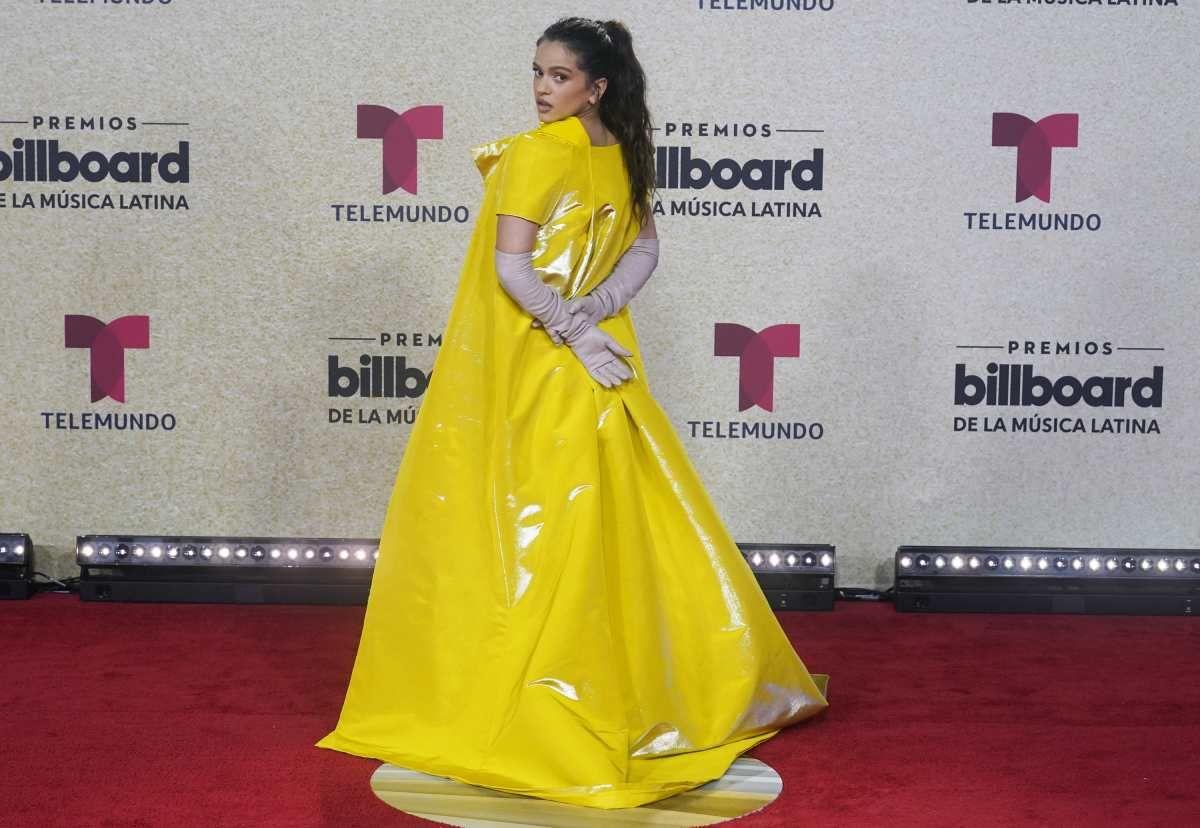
x=557, y=610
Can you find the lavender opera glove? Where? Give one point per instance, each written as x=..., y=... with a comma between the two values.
x=599, y=352
x=627, y=278
x=600, y=355
x=631, y=272
x=531, y=293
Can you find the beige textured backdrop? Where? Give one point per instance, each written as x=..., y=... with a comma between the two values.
x=246, y=288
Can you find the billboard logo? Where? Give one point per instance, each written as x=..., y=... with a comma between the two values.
x=399, y=133
x=738, y=178
x=677, y=169
x=757, y=352
x=41, y=160
x=1035, y=142
x=379, y=376
x=107, y=344
x=1022, y=397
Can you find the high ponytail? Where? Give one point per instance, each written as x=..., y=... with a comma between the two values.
x=604, y=49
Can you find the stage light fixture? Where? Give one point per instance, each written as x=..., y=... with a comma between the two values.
x=793, y=576
x=1048, y=580
x=16, y=565
x=248, y=570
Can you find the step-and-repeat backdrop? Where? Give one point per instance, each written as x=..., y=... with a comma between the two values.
x=928, y=269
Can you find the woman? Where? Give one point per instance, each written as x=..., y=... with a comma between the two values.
x=556, y=609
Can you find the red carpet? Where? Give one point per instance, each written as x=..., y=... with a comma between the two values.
x=190, y=714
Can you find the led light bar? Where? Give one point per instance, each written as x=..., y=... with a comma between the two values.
x=1047, y=579
x=16, y=566
x=793, y=576
x=225, y=569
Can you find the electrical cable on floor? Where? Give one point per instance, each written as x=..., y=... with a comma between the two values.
x=66, y=586
x=860, y=594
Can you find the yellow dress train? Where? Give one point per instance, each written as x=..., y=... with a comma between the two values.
x=557, y=610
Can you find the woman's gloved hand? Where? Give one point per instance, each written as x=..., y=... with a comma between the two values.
x=599, y=352
x=585, y=310
x=601, y=356
x=607, y=299
x=590, y=307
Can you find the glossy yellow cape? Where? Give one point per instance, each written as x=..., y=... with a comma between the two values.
x=557, y=610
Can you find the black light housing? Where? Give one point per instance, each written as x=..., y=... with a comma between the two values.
x=1047, y=580
x=793, y=576
x=229, y=569
x=16, y=565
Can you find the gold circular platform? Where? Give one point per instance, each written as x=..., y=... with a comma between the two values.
x=748, y=785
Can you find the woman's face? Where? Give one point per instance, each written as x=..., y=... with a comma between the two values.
x=560, y=87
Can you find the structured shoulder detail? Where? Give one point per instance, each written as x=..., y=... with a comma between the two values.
x=487, y=155
x=554, y=140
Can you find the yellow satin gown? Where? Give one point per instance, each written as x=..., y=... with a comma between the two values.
x=557, y=610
